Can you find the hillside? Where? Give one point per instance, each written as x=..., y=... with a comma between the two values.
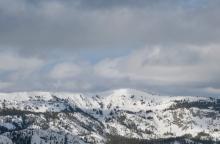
x=67, y=118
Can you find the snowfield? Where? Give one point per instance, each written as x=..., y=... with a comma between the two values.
x=66, y=118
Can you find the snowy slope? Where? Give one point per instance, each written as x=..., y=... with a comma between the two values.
x=48, y=117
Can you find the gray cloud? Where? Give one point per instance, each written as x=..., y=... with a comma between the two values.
x=174, y=45
x=106, y=24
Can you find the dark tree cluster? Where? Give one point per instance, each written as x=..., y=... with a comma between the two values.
x=112, y=139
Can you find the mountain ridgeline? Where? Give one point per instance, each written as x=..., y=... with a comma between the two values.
x=123, y=116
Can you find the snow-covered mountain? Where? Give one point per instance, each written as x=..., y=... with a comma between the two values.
x=67, y=118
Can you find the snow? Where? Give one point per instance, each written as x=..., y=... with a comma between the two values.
x=146, y=111
x=9, y=126
x=5, y=140
x=36, y=140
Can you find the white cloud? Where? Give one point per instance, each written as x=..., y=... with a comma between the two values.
x=213, y=90
x=107, y=68
x=4, y=85
x=65, y=70
x=11, y=61
x=163, y=65
x=18, y=67
x=169, y=69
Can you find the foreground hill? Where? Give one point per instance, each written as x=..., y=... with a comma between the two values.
x=118, y=116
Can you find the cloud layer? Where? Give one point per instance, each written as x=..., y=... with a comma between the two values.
x=171, y=47
x=107, y=24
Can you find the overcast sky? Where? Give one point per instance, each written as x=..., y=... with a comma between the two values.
x=168, y=46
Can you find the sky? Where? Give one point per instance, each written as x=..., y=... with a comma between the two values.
x=171, y=47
